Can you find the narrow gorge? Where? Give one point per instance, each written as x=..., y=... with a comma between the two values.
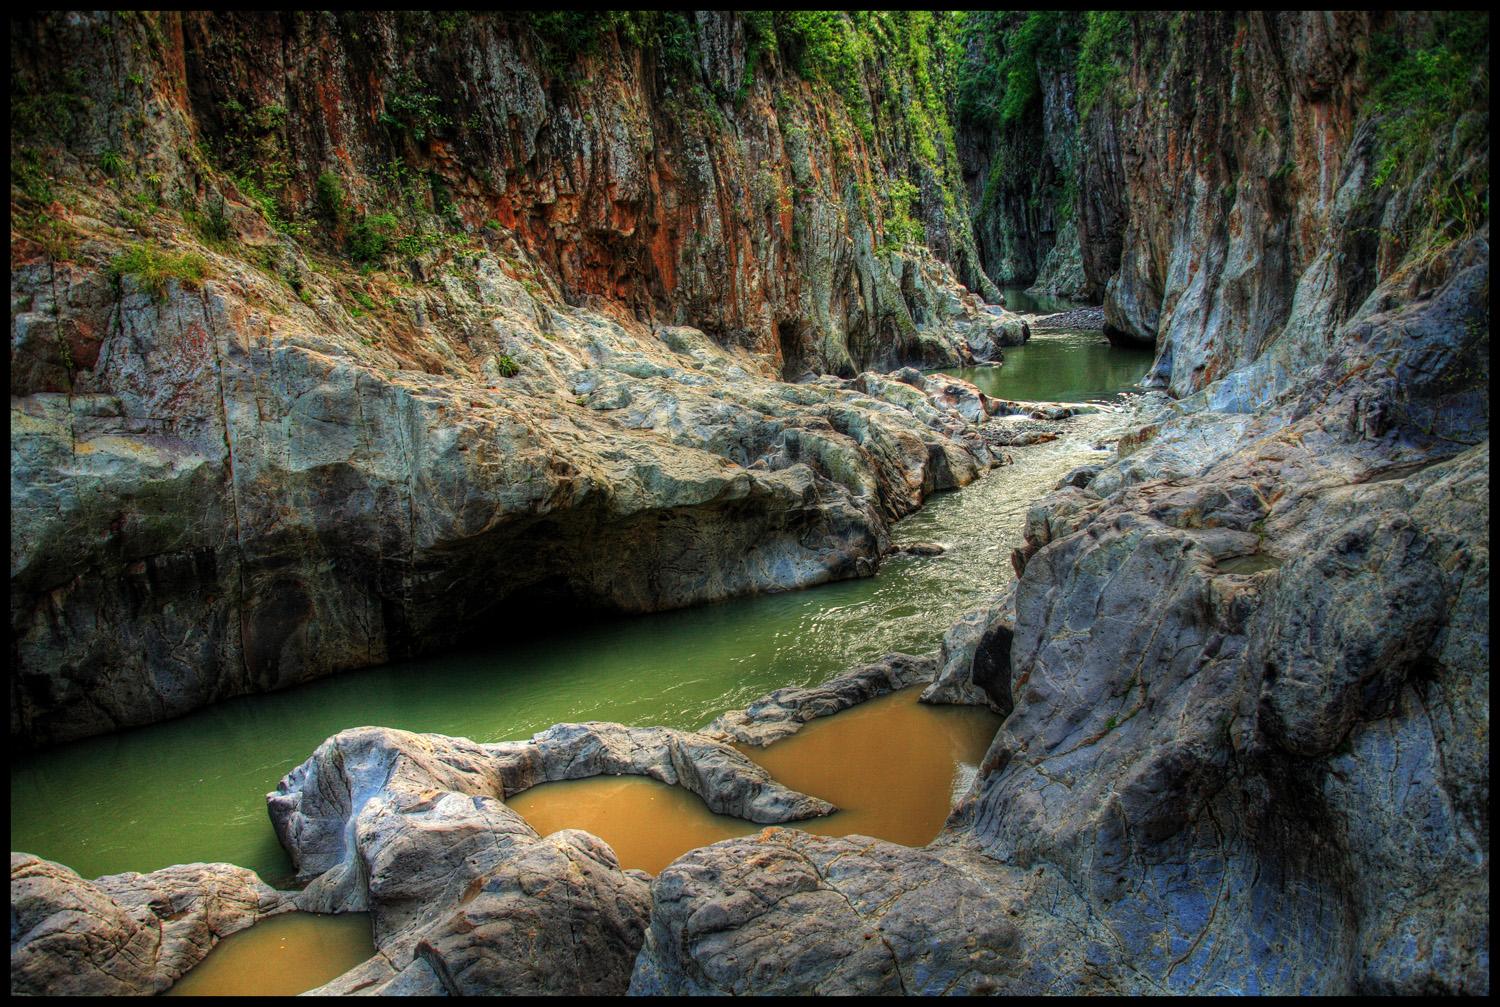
x=1005, y=492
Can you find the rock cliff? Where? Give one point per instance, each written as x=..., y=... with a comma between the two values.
x=1244, y=667
x=332, y=335
x=1247, y=180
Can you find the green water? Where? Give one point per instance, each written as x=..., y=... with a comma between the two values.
x=193, y=789
x=1061, y=367
x=1019, y=299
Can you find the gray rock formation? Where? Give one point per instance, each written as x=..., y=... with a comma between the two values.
x=789, y=913
x=305, y=463
x=346, y=510
x=1248, y=750
x=783, y=712
x=974, y=663
x=466, y=897
x=124, y=934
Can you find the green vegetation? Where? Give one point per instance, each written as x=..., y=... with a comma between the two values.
x=1104, y=47
x=408, y=107
x=1000, y=84
x=901, y=228
x=112, y=163
x=823, y=46
x=566, y=35
x=254, y=148
x=212, y=222
x=507, y=366
x=330, y=197
x=48, y=111
x=1432, y=95
x=371, y=236
x=151, y=267
x=30, y=178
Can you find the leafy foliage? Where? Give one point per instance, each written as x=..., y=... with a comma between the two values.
x=152, y=267
x=371, y=236
x=1432, y=95
x=410, y=108
x=1001, y=82
x=1102, y=50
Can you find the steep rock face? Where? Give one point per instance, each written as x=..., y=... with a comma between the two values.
x=239, y=475
x=1234, y=207
x=1022, y=183
x=1021, y=164
x=708, y=185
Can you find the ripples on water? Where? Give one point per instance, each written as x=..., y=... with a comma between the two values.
x=192, y=789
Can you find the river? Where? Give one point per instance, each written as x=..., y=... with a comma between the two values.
x=193, y=789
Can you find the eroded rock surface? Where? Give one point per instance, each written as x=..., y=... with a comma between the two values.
x=466, y=897
x=562, y=385
x=783, y=712
x=789, y=913
x=124, y=934
x=1249, y=746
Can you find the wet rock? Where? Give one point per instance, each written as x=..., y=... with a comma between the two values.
x=728, y=782
x=792, y=913
x=956, y=395
x=1217, y=777
x=1079, y=477
x=974, y=663
x=559, y=918
x=124, y=934
x=1073, y=320
x=783, y=712
x=464, y=894
x=919, y=549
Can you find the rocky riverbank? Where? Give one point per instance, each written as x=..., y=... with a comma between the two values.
x=337, y=338
x=1205, y=765
x=1243, y=668
x=1072, y=320
x=319, y=363
x=465, y=896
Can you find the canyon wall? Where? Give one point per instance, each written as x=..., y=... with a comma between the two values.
x=1230, y=186
x=1247, y=180
x=1245, y=664
x=1016, y=122
x=337, y=339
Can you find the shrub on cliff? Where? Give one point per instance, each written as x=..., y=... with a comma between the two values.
x=151, y=266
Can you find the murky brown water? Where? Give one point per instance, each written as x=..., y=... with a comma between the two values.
x=648, y=823
x=281, y=956
x=891, y=765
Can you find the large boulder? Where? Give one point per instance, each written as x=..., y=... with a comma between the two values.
x=124, y=934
